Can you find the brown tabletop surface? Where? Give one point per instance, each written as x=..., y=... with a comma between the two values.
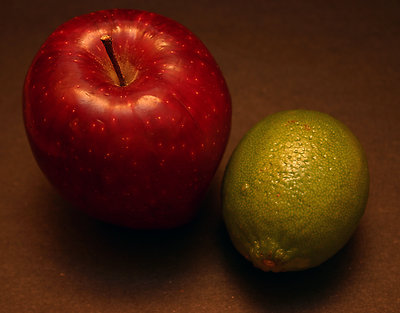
x=338, y=57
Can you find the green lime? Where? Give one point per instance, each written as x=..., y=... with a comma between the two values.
x=294, y=190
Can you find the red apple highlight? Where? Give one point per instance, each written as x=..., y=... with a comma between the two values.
x=138, y=148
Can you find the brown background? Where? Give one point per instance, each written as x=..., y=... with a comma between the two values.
x=342, y=58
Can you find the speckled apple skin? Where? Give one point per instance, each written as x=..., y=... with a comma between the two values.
x=141, y=155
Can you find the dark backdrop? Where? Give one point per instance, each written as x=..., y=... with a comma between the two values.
x=339, y=57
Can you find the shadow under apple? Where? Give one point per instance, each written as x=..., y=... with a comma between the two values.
x=104, y=256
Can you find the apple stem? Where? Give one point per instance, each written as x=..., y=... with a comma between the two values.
x=107, y=42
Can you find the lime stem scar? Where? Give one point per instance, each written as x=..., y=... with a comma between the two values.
x=269, y=263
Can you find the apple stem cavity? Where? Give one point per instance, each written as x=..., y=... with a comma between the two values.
x=107, y=42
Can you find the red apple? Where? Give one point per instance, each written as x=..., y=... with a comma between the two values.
x=138, y=149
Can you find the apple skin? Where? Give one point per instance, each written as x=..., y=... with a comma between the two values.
x=141, y=155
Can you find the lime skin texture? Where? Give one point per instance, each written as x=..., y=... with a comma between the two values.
x=294, y=190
